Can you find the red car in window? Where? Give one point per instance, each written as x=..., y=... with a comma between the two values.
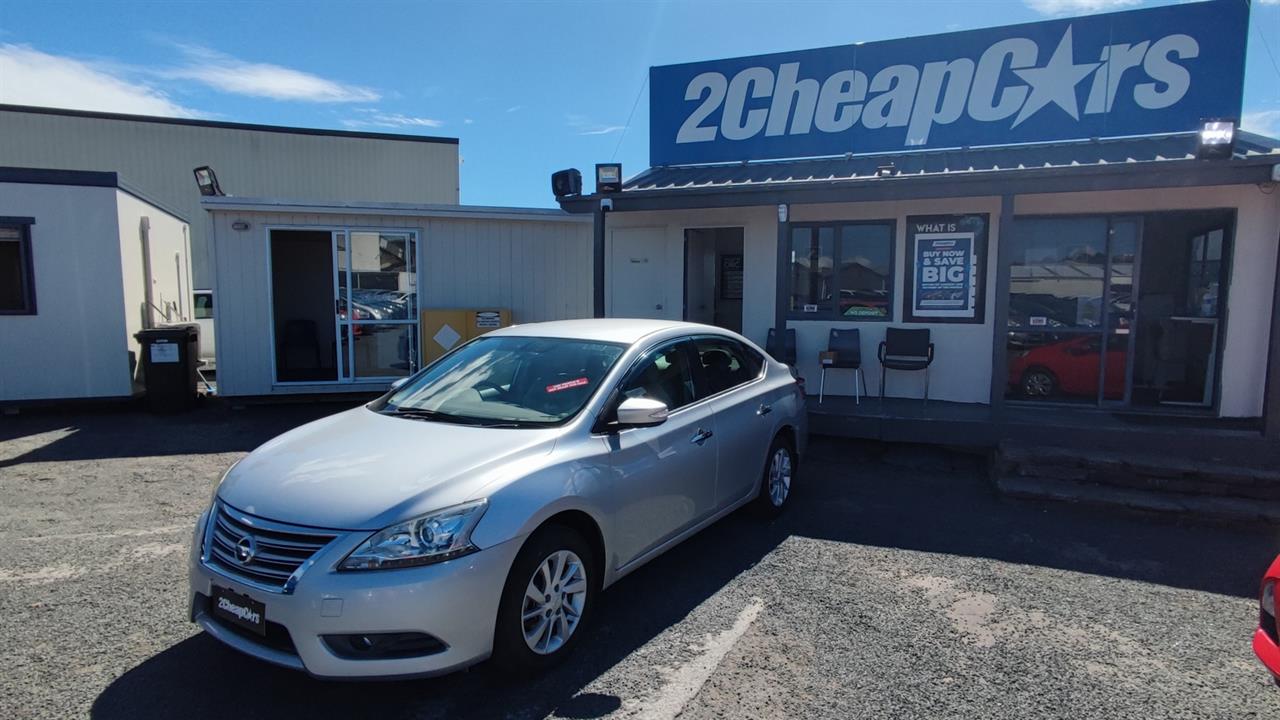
x=1266, y=639
x=1066, y=367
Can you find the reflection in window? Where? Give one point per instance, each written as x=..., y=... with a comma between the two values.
x=841, y=271
x=665, y=376
x=1057, y=273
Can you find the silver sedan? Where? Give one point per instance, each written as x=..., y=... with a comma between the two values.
x=478, y=508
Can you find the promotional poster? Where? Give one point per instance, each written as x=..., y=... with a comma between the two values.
x=944, y=275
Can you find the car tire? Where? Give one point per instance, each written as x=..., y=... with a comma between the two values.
x=777, y=479
x=1038, y=383
x=520, y=618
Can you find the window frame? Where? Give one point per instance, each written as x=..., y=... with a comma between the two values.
x=683, y=345
x=700, y=382
x=837, y=226
x=25, y=256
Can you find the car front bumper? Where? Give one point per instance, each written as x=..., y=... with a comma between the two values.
x=1268, y=652
x=455, y=602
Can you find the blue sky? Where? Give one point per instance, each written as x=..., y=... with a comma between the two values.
x=529, y=87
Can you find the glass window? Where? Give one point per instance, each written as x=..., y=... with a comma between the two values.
x=866, y=266
x=17, y=297
x=510, y=381
x=664, y=375
x=1057, y=273
x=841, y=271
x=204, y=306
x=724, y=365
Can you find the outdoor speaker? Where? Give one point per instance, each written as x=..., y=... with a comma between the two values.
x=566, y=183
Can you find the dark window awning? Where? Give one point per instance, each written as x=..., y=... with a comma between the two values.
x=1152, y=161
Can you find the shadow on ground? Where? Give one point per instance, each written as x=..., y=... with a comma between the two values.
x=902, y=497
x=122, y=431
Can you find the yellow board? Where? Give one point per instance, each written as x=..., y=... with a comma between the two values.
x=442, y=330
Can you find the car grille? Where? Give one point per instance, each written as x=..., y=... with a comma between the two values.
x=277, y=550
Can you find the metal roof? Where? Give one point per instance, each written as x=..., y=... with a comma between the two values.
x=1123, y=151
x=283, y=205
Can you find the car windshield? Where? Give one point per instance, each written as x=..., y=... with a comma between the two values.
x=506, y=382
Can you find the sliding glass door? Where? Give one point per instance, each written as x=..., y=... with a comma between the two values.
x=377, y=304
x=344, y=305
x=1061, y=281
x=1120, y=310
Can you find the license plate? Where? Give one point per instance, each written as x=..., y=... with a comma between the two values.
x=240, y=610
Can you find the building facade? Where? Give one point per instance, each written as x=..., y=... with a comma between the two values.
x=157, y=156
x=329, y=297
x=86, y=263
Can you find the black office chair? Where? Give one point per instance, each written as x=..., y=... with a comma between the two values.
x=787, y=353
x=904, y=349
x=847, y=346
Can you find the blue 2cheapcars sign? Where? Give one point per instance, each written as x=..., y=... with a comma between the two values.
x=1140, y=72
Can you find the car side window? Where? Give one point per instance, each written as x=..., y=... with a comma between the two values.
x=725, y=364
x=664, y=375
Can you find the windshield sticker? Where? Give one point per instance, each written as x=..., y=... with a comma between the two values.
x=579, y=382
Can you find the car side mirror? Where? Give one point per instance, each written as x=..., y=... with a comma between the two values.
x=395, y=384
x=641, y=412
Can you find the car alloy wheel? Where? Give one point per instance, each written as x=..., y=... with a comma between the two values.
x=553, y=602
x=1037, y=383
x=779, y=486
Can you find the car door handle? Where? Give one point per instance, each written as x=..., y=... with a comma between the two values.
x=764, y=409
x=701, y=437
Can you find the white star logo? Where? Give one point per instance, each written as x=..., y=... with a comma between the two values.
x=1055, y=82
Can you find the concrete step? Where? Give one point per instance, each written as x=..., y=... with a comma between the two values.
x=1231, y=509
x=1164, y=474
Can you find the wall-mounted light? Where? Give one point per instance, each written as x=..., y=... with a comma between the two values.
x=240, y=226
x=208, y=181
x=608, y=177
x=1217, y=140
x=782, y=212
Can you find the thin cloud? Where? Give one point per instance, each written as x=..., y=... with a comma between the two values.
x=392, y=120
x=604, y=130
x=584, y=126
x=1078, y=7
x=515, y=108
x=32, y=77
x=1263, y=122
x=232, y=75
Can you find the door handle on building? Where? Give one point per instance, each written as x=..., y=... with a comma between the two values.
x=701, y=437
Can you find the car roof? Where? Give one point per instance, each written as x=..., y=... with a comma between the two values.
x=616, y=330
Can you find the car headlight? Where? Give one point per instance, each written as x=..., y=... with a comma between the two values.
x=1269, y=597
x=439, y=536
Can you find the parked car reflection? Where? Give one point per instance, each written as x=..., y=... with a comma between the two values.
x=1065, y=367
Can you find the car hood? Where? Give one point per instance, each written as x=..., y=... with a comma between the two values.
x=361, y=470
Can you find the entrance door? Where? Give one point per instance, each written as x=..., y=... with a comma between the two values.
x=302, y=299
x=1184, y=275
x=638, y=266
x=713, y=272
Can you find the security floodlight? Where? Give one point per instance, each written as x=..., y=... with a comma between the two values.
x=208, y=181
x=609, y=177
x=1217, y=140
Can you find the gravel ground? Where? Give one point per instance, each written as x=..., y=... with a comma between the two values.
x=898, y=586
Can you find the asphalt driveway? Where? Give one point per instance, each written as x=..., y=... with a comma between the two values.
x=898, y=586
